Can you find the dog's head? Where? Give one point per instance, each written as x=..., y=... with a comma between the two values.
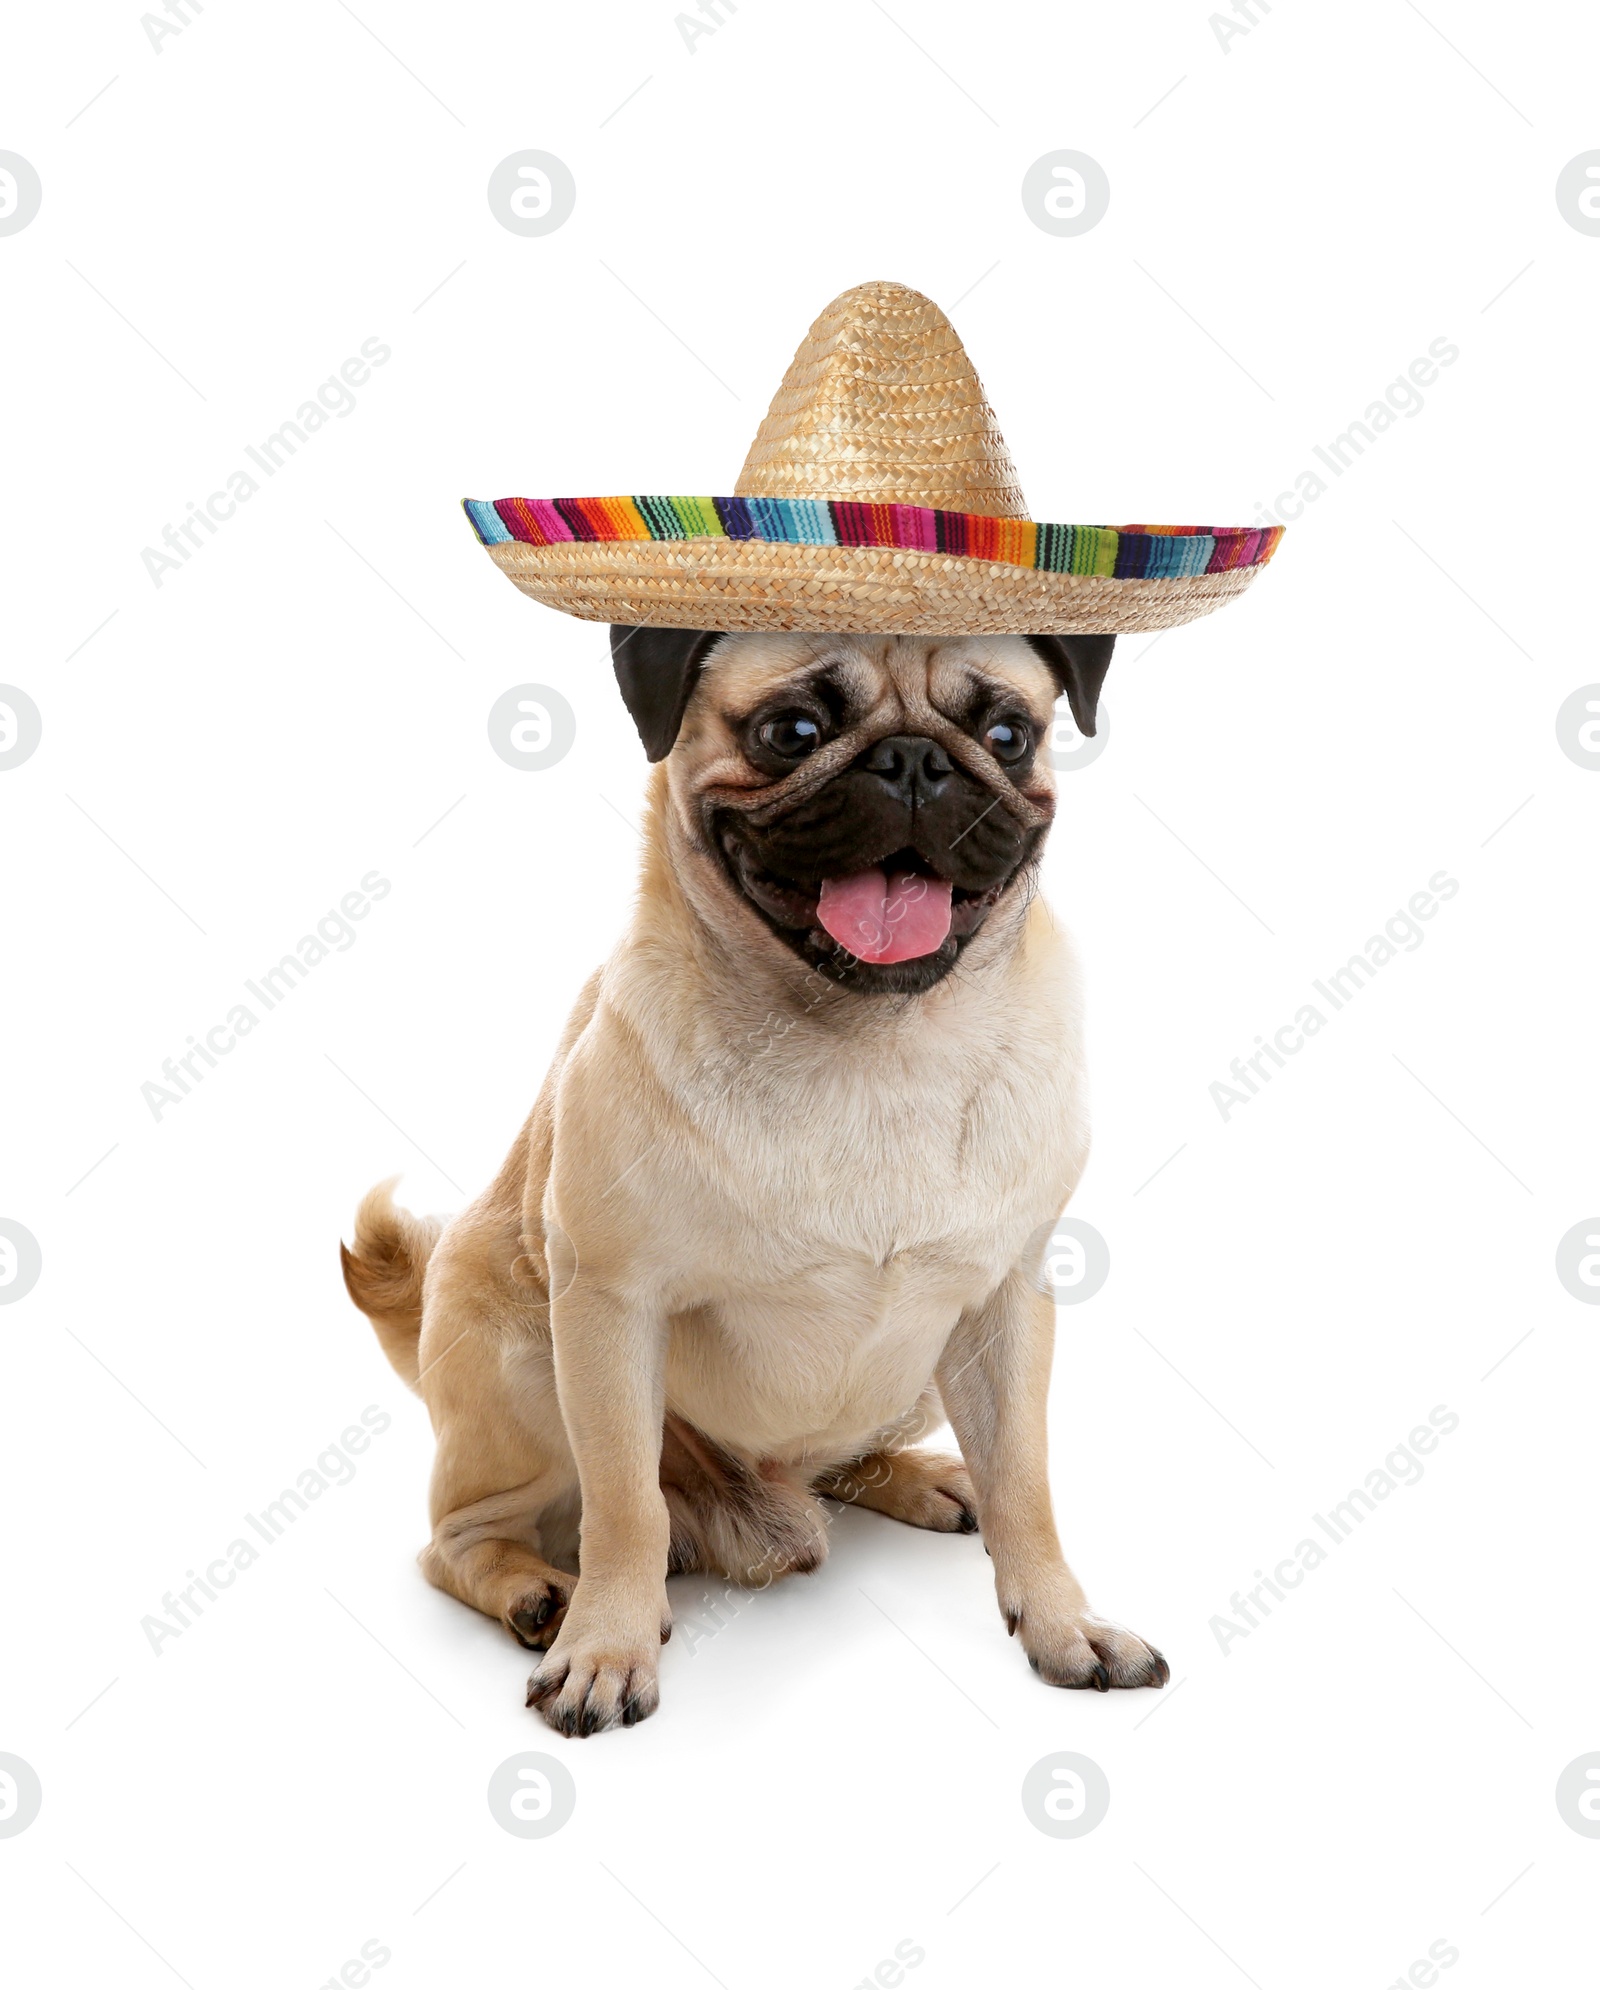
x=870, y=803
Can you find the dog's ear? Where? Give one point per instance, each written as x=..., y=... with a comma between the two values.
x=1079, y=665
x=656, y=672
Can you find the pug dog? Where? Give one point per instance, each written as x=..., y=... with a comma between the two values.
x=781, y=1206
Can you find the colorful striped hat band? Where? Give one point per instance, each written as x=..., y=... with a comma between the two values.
x=878, y=498
x=1128, y=552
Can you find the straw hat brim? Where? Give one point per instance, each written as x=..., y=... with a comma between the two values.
x=742, y=584
x=887, y=569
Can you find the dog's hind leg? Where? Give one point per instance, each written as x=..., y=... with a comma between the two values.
x=923, y=1488
x=486, y=1553
x=928, y=1489
x=504, y=1494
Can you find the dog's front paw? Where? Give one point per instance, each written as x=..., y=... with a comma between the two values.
x=599, y=1673
x=1073, y=1648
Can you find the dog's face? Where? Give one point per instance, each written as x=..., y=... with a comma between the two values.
x=869, y=803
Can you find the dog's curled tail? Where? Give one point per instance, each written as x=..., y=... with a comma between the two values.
x=383, y=1274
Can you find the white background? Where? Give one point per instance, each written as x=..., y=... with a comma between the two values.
x=1296, y=219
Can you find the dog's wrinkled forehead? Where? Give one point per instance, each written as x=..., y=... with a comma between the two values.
x=880, y=683
x=659, y=670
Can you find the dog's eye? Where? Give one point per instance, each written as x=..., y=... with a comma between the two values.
x=1007, y=739
x=791, y=735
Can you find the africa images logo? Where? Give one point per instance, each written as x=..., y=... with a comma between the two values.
x=334, y=934
x=1401, y=934
x=333, y=400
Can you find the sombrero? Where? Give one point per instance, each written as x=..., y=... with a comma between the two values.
x=877, y=498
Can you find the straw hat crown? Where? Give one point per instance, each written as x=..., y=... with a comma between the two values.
x=882, y=405
x=878, y=497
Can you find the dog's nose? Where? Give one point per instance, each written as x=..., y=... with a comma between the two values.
x=916, y=769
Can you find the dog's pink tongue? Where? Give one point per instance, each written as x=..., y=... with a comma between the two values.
x=883, y=919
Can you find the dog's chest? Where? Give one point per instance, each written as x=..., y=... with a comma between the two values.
x=851, y=1215
x=917, y=1163
x=823, y=1196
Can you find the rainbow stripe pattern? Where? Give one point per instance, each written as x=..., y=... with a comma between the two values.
x=1128, y=552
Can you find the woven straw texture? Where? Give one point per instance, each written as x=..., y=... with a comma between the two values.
x=747, y=584
x=882, y=420
x=881, y=401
